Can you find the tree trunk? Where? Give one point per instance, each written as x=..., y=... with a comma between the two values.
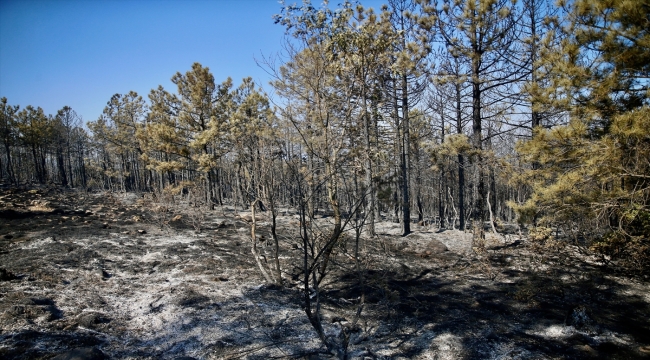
x=370, y=203
x=494, y=230
x=61, y=165
x=405, y=165
x=461, y=162
x=254, y=250
x=39, y=174
x=461, y=192
x=332, y=194
x=276, y=241
x=479, y=209
x=10, y=166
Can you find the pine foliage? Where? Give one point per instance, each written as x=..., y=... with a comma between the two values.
x=593, y=175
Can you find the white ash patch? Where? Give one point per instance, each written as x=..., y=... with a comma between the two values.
x=553, y=331
x=152, y=256
x=37, y=244
x=509, y=351
x=447, y=346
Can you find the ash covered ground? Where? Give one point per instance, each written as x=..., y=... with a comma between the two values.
x=98, y=275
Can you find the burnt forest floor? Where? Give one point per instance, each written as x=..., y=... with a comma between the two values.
x=122, y=277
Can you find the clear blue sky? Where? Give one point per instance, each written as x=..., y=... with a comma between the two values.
x=80, y=52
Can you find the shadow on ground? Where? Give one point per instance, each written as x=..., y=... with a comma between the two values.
x=87, y=271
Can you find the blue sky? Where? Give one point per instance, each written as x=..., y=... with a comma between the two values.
x=79, y=53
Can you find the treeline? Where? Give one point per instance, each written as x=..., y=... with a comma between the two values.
x=39, y=148
x=459, y=113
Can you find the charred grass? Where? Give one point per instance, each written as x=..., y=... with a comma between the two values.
x=112, y=272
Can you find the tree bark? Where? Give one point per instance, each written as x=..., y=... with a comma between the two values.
x=405, y=165
x=254, y=250
x=477, y=141
x=461, y=162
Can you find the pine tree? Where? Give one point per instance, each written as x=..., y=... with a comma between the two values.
x=407, y=84
x=593, y=174
x=187, y=128
x=484, y=33
x=9, y=137
x=36, y=133
x=121, y=127
x=362, y=46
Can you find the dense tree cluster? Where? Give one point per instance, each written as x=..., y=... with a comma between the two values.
x=453, y=112
x=39, y=148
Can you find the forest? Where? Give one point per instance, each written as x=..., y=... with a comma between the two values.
x=480, y=116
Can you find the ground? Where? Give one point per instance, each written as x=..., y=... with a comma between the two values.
x=120, y=276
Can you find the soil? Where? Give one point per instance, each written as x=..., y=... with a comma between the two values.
x=104, y=276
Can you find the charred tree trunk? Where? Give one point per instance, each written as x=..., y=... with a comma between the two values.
x=405, y=163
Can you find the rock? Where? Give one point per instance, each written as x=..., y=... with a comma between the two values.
x=38, y=301
x=101, y=273
x=225, y=224
x=436, y=247
x=586, y=350
x=91, y=319
x=8, y=237
x=6, y=275
x=142, y=232
x=81, y=354
x=16, y=310
x=192, y=299
x=39, y=309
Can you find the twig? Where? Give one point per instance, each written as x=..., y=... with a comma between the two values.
x=246, y=352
